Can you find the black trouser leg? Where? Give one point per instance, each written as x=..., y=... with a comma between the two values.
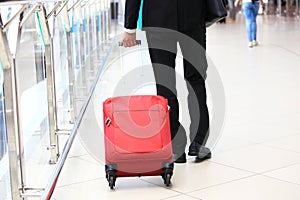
x=163, y=62
x=199, y=127
x=195, y=66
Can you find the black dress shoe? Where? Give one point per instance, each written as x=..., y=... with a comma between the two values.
x=203, y=154
x=180, y=159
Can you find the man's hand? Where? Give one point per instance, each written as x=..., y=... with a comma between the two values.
x=129, y=39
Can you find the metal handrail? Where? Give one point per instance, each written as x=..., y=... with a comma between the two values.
x=29, y=14
x=18, y=2
x=75, y=5
x=62, y=7
x=86, y=2
x=6, y=26
x=53, y=10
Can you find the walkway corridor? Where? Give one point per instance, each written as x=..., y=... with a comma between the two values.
x=256, y=155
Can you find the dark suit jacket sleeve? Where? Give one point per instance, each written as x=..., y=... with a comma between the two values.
x=132, y=8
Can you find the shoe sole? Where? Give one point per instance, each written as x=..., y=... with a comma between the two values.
x=181, y=161
x=193, y=153
x=208, y=156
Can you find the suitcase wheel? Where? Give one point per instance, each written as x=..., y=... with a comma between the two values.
x=167, y=176
x=111, y=177
x=167, y=179
x=111, y=180
x=168, y=172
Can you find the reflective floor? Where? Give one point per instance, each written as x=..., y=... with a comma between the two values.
x=256, y=155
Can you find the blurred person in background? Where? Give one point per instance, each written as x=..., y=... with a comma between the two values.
x=232, y=10
x=250, y=8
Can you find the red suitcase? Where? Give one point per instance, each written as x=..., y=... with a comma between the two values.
x=137, y=137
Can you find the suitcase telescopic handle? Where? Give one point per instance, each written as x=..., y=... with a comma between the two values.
x=138, y=42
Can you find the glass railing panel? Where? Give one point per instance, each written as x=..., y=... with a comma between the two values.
x=77, y=37
x=7, y=13
x=87, y=45
x=91, y=61
x=86, y=26
x=5, y=188
x=4, y=170
x=32, y=90
x=48, y=6
x=61, y=63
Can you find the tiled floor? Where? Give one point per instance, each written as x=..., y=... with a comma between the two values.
x=257, y=154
